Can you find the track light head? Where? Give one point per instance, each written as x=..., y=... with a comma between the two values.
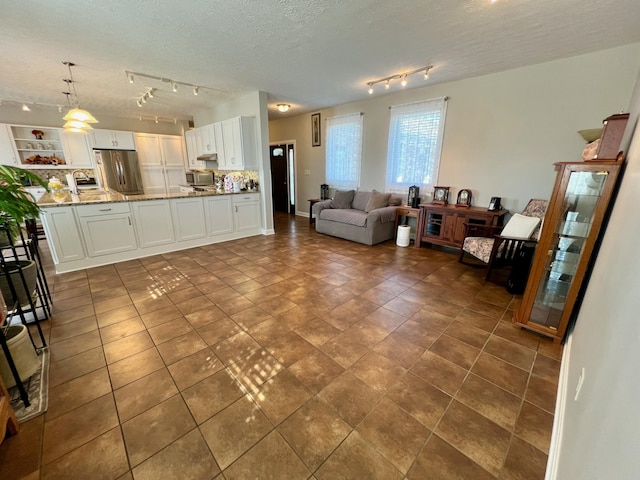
x=130, y=77
x=370, y=88
x=196, y=90
x=139, y=103
x=25, y=108
x=426, y=74
x=387, y=84
x=174, y=86
x=404, y=81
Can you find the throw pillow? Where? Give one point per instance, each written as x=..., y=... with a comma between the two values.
x=377, y=200
x=520, y=226
x=342, y=199
x=395, y=201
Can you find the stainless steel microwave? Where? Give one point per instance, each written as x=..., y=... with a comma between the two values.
x=200, y=178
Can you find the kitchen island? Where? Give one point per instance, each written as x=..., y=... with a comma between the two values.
x=98, y=228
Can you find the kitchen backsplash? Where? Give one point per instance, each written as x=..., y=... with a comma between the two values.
x=60, y=173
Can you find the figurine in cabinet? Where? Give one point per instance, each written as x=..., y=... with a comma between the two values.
x=577, y=208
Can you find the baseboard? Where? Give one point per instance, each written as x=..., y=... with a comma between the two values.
x=558, y=418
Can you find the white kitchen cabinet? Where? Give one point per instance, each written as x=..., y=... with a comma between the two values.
x=63, y=233
x=239, y=139
x=113, y=139
x=188, y=218
x=8, y=154
x=222, y=158
x=206, y=139
x=162, y=162
x=246, y=212
x=107, y=228
x=218, y=213
x=192, y=150
x=77, y=151
x=153, y=223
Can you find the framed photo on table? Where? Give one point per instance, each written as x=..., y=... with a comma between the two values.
x=464, y=198
x=315, y=130
x=440, y=195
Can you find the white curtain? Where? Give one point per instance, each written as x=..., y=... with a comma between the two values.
x=344, y=151
x=415, y=142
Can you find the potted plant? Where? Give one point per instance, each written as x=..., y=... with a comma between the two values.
x=16, y=204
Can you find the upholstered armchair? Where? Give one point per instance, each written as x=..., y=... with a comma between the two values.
x=498, y=246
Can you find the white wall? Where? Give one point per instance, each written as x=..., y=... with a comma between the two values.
x=251, y=105
x=503, y=131
x=598, y=435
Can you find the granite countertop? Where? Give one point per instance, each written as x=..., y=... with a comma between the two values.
x=86, y=197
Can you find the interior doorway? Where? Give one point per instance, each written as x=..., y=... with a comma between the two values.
x=283, y=177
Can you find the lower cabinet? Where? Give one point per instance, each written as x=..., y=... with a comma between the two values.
x=218, y=215
x=189, y=220
x=246, y=211
x=153, y=223
x=63, y=234
x=107, y=228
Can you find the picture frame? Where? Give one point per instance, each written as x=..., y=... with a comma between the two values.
x=440, y=195
x=315, y=130
x=464, y=198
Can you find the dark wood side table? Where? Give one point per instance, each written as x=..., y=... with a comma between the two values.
x=406, y=212
x=312, y=202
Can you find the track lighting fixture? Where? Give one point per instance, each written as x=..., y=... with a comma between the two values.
x=25, y=108
x=398, y=76
x=139, y=103
x=156, y=119
x=149, y=94
x=283, y=107
x=173, y=84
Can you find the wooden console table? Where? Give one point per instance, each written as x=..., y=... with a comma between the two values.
x=444, y=224
x=312, y=202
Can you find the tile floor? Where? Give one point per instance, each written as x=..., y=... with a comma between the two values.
x=290, y=356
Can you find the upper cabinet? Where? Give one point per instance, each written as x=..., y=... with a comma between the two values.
x=113, y=139
x=43, y=147
x=239, y=139
x=162, y=162
x=192, y=150
x=206, y=140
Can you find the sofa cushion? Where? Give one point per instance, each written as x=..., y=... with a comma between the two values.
x=342, y=215
x=342, y=199
x=395, y=201
x=377, y=200
x=360, y=200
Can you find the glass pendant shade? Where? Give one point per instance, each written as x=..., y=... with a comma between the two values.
x=76, y=130
x=77, y=124
x=80, y=115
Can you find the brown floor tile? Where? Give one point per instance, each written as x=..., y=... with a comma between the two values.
x=74, y=314
x=388, y=319
x=316, y=370
x=72, y=329
x=204, y=317
x=270, y=458
x=120, y=349
x=115, y=310
x=493, y=402
x=233, y=431
x=455, y=351
x=102, y=294
x=75, y=345
x=549, y=348
x=441, y=461
x=214, y=333
x=268, y=331
x=121, y=329
x=314, y=431
x=344, y=350
x=211, y=395
x=71, y=293
x=482, y=440
x=280, y=396
x=394, y=433
x=524, y=462
x=290, y=348
x=418, y=334
x=340, y=393
x=198, y=366
x=501, y=373
x=156, y=428
x=72, y=367
x=507, y=330
x=79, y=391
x=180, y=347
x=169, y=330
x=367, y=333
x=158, y=317
x=147, y=392
x=511, y=352
x=541, y=393
x=134, y=367
x=546, y=368
x=18, y=457
x=534, y=426
x=355, y=458
x=439, y=372
x=103, y=457
x=77, y=427
x=72, y=303
x=317, y=332
x=377, y=371
x=187, y=457
x=421, y=399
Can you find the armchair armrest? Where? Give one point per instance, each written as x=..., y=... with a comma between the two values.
x=319, y=206
x=477, y=230
x=382, y=215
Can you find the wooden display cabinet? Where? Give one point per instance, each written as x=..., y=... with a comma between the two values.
x=577, y=208
x=444, y=224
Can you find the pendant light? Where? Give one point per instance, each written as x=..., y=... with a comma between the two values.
x=80, y=118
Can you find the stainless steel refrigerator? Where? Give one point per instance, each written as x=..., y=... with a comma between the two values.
x=119, y=170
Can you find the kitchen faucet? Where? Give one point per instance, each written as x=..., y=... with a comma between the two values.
x=83, y=175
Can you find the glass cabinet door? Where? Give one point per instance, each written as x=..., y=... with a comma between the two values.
x=583, y=193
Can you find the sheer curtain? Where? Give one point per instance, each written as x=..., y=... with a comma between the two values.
x=415, y=142
x=344, y=151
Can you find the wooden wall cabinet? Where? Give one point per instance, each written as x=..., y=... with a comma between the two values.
x=444, y=224
x=577, y=208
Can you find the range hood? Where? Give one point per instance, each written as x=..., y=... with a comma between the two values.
x=208, y=157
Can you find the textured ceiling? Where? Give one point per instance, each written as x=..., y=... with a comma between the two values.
x=309, y=53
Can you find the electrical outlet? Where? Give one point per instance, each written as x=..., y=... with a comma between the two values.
x=579, y=385
x=307, y=172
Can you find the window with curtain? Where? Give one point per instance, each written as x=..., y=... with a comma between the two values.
x=415, y=142
x=344, y=151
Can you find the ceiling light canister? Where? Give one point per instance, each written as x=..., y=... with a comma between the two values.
x=370, y=88
x=426, y=74
x=174, y=86
x=195, y=90
x=404, y=81
x=139, y=102
x=131, y=78
x=283, y=107
x=25, y=108
x=387, y=85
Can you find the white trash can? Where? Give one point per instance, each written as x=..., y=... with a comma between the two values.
x=403, y=239
x=23, y=354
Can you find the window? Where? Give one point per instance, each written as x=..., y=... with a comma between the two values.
x=415, y=142
x=344, y=151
